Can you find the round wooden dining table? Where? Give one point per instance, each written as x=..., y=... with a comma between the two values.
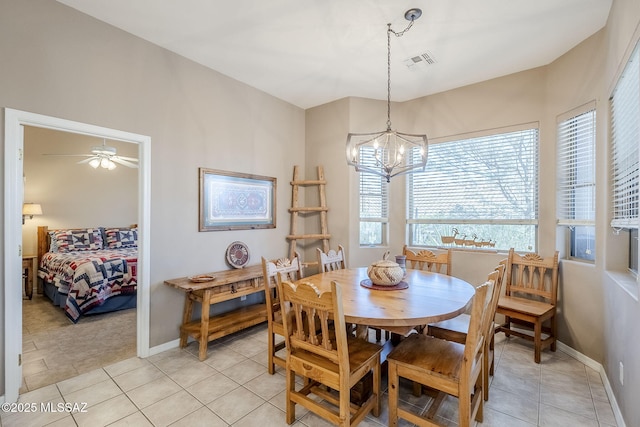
x=428, y=298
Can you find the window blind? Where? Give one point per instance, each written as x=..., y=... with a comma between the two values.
x=487, y=179
x=373, y=194
x=576, y=169
x=625, y=140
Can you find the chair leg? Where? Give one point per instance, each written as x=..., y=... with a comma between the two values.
x=290, y=406
x=507, y=325
x=376, y=388
x=345, y=406
x=464, y=406
x=417, y=389
x=537, y=340
x=271, y=349
x=485, y=370
x=394, y=384
x=554, y=332
x=479, y=390
x=492, y=346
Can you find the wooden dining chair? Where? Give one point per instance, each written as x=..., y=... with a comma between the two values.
x=456, y=329
x=331, y=260
x=291, y=270
x=428, y=260
x=446, y=366
x=328, y=360
x=531, y=295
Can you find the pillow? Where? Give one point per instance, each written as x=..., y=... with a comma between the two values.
x=53, y=243
x=89, y=239
x=121, y=237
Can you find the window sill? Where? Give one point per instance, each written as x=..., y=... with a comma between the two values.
x=626, y=281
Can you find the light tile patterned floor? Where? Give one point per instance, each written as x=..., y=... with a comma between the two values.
x=232, y=388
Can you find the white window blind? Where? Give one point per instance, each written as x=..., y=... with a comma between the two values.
x=489, y=179
x=576, y=169
x=625, y=141
x=373, y=206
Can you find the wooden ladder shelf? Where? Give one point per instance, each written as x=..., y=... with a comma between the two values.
x=296, y=210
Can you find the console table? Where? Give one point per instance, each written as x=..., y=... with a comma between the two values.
x=228, y=284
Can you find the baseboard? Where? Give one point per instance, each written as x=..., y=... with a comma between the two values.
x=164, y=347
x=603, y=375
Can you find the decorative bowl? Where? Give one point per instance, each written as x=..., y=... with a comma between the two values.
x=201, y=278
x=385, y=272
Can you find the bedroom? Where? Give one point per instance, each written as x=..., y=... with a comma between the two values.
x=98, y=198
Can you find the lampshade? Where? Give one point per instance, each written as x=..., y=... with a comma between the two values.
x=31, y=209
x=388, y=153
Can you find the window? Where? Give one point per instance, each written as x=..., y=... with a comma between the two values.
x=625, y=153
x=373, y=208
x=483, y=190
x=576, y=180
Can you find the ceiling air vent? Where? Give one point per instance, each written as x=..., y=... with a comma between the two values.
x=420, y=61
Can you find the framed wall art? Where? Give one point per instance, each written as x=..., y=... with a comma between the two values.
x=236, y=201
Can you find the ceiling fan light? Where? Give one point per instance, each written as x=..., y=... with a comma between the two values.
x=111, y=165
x=104, y=162
x=94, y=163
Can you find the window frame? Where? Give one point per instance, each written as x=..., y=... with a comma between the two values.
x=576, y=134
x=526, y=130
x=623, y=145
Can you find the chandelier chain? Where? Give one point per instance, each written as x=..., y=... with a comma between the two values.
x=397, y=34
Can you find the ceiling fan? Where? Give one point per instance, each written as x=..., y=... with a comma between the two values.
x=103, y=156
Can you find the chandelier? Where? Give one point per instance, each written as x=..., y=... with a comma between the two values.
x=389, y=153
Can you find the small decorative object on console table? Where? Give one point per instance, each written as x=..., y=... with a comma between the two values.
x=237, y=254
x=225, y=286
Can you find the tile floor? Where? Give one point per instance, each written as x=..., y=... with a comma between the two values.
x=233, y=388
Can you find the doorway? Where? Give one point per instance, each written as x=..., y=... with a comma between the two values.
x=15, y=121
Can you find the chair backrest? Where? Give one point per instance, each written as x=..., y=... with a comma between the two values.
x=478, y=322
x=289, y=269
x=332, y=260
x=497, y=275
x=533, y=276
x=316, y=308
x=428, y=260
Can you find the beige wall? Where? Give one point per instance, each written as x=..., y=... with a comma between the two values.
x=621, y=311
x=74, y=195
x=68, y=65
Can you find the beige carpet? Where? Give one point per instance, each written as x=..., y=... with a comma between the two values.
x=54, y=349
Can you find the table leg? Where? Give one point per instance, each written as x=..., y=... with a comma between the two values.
x=186, y=318
x=204, y=324
x=362, y=332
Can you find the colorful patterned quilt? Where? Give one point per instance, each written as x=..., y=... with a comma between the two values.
x=89, y=278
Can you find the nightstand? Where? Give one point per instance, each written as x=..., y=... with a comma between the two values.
x=27, y=274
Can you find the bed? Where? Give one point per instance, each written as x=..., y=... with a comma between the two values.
x=89, y=270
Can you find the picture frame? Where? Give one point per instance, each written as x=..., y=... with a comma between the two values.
x=236, y=201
